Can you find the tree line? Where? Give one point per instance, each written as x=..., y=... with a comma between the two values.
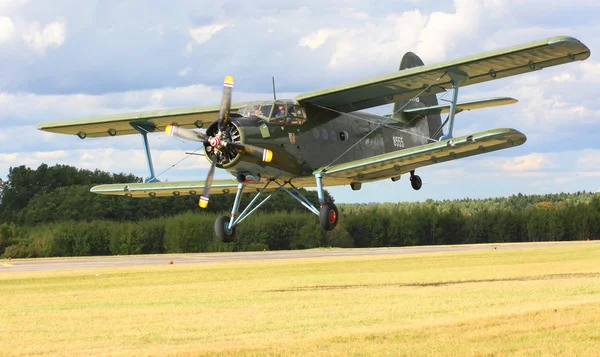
x=50, y=212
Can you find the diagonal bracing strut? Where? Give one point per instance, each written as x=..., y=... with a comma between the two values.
x=235, y=219
x=458, y=77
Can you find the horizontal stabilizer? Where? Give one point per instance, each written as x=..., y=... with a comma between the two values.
x=470, y=105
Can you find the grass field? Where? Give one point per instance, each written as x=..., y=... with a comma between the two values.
x=531, y=302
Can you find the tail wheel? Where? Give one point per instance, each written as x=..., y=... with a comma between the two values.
x=225, y=234
x=328, y=216
x=415, y=182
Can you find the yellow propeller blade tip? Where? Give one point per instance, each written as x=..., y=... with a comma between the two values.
x=267, y=155
x=168, y=129
x=203, y=203
x=228, y=81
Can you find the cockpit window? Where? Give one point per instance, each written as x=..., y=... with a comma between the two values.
x=265, y=109
x=279, y=111
x=249, y=110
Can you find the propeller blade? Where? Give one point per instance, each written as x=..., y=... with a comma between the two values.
x=265, y=155
x=187, y=134
x=225, y=100
x=203, y=203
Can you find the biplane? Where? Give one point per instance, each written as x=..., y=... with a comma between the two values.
x=324, y=138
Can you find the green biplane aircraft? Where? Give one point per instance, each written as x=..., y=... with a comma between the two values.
x=321, y=139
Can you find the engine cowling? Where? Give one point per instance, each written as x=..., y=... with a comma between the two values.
x=230, y=133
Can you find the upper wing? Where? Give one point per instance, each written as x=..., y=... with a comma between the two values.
x=181, y=188
x=120, y=124
x=402, y=161
x=406, y=84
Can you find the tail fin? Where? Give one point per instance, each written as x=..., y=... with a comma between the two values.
x=434, y=121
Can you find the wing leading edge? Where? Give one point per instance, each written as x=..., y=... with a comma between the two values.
x=405, y=84
x=120, y=124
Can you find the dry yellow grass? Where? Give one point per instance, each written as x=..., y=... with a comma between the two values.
x=538, y=302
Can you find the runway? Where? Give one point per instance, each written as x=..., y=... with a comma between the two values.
x=56, y=264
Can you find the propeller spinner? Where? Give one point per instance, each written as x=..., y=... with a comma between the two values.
x=219, y=142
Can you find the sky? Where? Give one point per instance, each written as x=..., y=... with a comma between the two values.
x=69, y=59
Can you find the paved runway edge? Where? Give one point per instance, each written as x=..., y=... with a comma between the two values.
x=76, y=263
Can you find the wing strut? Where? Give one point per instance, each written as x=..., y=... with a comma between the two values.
x=144, y=128
x=457, y=77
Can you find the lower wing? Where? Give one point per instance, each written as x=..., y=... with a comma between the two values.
x=165, y=189
x=403, y=161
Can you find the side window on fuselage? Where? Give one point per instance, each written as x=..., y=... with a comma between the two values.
x=296, y=115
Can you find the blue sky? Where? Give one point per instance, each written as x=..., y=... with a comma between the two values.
x=67, y=59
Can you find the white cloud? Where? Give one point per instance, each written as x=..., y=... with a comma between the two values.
x=318, y=38
x=590, y=71
x=184, y=71
x=52, y=35
x=589, y=160
x=444, y=30
x=531, y=162
x=204, y=33
x=61, y=107
x=6, y=28
x=563, y=77
x=383, y=40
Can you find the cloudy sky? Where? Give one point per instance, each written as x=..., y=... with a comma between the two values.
x=65, y=59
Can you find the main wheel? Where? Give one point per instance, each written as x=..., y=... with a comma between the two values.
x=415, y=182
x=328, y=216
x=225, y=234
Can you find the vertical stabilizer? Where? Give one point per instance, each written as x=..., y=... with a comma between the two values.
x=434, y=121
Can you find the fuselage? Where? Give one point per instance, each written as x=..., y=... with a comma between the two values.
x=320, y=137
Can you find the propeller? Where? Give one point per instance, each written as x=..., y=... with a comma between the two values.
x=219, y=141
x=209, y=178
x=174, y=130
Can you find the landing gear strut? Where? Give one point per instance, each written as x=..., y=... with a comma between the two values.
x=415, y=181
x=328, y=212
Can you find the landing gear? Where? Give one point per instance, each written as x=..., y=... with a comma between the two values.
x=224, y=232
x=328, y=213
x=415, y=181
x=328, y=216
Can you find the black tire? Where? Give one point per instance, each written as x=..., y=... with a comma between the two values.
x=415, y=182
x=328, y=216
x=224, y=234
